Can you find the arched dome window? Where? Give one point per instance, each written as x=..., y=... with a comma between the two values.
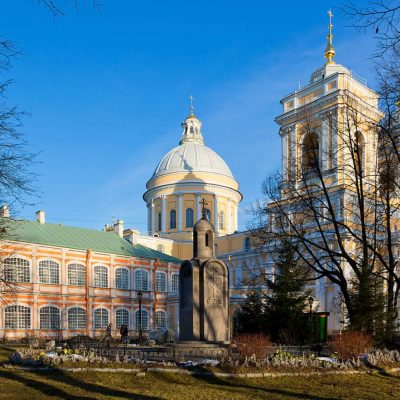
x=159, y=221
x=310, y=153
x=359, y=154
x=221, y=220
x=172, y=219
x=247, y=245
x=189, y=218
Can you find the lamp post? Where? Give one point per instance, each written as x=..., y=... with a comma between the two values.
x=310, y=303
x=139, y=296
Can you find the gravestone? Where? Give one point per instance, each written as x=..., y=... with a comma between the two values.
x=204, y=290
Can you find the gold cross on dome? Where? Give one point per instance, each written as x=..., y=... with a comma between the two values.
x=191, y=104
x=203, y=204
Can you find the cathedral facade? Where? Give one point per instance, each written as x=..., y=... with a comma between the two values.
x=75, y=281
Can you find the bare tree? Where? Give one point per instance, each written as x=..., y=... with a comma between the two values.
x=59, y=10
x=336, y=213
x=383, y=17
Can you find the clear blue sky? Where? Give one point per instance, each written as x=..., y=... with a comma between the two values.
x=106, y=91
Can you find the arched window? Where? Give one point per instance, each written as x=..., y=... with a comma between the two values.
x=76, y=318
x=17, y=317
x=49, y=272
x=76, y=275
x=141, y=280
x=221, y=220
x=122, y=278
x=172, y=219
x=100, y=318
x=310, y=153
x=17, y=270
x=175, y=283
x=121, y=317
x=159, y=221
x=100, y=276
x=49, y=317
x=144, y=321
x=189, y=218
x=161, y=320
x=247, y=245
x=208, y=214
x=160, y=248
x=359, y=154
x=161, y=281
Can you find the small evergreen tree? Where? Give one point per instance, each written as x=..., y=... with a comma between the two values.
x=286, y=297
x=251, y=312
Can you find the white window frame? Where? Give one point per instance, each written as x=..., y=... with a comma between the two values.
x=139, y=281
x=17, y=316
x=49, y=318
x=80, y=318
x=175, y=284
x=49, y=271
x=121, y=280
x=101, y=318
x=145, y=320
x=74, y=271
x=161, y=281
x=100, y=276
x=161, y=314
x=17, y=269
x=121, y=319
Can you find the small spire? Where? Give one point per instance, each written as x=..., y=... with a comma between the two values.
x=191, y=105
x=330, y=51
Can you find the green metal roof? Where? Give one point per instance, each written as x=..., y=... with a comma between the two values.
x=76, y=238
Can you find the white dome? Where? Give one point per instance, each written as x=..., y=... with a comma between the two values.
x=192, y=157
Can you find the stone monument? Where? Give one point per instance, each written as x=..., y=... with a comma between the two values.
x=204, y=290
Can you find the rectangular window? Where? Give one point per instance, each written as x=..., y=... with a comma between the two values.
x=161, y=282
x=76, y=275
x=100, y=276
x=175, y=283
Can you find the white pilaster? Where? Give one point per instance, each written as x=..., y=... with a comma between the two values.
x=164, y=213
x=153, y=218
x=180, y=215
x=229, y=216
x=216, y=222
x=198, y=208
x=323, y=144
x=149, y=218
x=285, y=164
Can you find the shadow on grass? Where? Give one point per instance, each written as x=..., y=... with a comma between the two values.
x=47, y=389
x=230, y=384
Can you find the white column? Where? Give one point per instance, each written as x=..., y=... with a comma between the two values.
x=292, y=161
x=198, y=209
x=285, y=163
x=149, y=218
x=163, y=213
x=235, y=219
x=153, y=218
x=229, y=216
x=216, y=225
x=323, y=145
x=180, y=215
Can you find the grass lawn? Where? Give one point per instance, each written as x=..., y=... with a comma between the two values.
x=86, y=385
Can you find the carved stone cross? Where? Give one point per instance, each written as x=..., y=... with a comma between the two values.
x=203, y=204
